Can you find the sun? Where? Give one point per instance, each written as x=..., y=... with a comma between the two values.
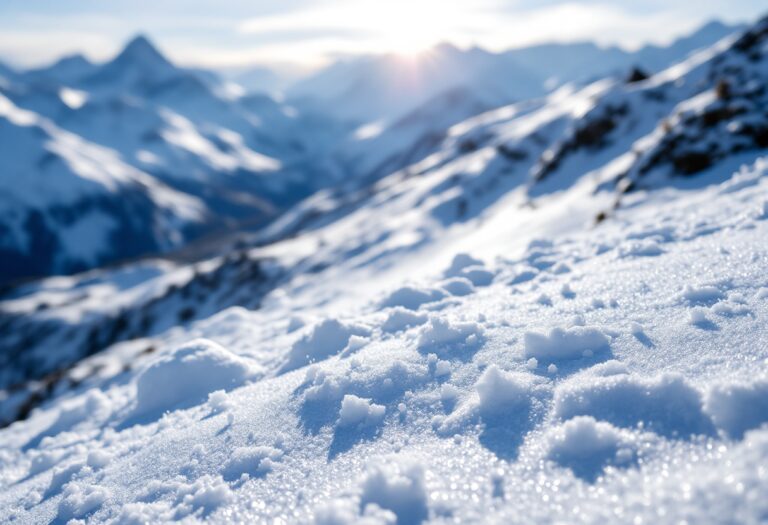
x=409, y=28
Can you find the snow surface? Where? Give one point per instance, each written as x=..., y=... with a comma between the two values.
x=448, y=409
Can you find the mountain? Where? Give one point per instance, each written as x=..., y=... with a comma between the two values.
x=260, y=79
x=6, y=71
x=386, y=87
x=540, y=318
x=246, y=159
x=67, y=70
x=69, y=204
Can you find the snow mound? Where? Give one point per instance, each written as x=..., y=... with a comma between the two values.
x=79, y=500
x=412, y=298
x=587, y=446
x=640, y=248
x=702, y=295
x=251, y=461
x=441, y=335
x=458, y=286
x=502, y=392
x=569, y=343
x=325, y=339
x=738, y=407
x=359, y=411
x=187, y=375
x=345, y=512
x=399, y=319
x=459, y=263
x=667, y=404
x=399, y=487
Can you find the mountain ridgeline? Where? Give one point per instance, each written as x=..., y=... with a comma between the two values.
x=136, y=156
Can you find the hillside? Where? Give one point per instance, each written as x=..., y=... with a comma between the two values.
x=555, y=314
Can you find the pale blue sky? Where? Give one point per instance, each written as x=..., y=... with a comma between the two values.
x=310, y=32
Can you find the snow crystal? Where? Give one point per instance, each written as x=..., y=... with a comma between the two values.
x=357, y=410
x=569, y=343
x=586, y=446
x=187, y=375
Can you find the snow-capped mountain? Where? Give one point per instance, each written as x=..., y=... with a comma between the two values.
x=558, y=313
x=372, y=88
x=70, y=204
x=239, y=159
x=375, y=88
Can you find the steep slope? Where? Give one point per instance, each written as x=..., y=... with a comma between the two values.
x=458, y=342
x=68, y=204
x=569, y=376
x=246, y=158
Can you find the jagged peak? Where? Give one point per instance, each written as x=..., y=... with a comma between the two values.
x=141, y=49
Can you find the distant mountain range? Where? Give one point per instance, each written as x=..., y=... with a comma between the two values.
x=386, y=87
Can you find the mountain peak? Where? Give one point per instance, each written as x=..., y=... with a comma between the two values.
x=75, y=60
x=141, y=49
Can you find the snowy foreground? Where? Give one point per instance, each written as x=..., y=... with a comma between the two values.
x=615, y=373
x=556, y=315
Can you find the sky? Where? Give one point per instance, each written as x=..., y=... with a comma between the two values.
x=307, y=34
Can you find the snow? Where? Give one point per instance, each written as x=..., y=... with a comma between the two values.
x=502, y=392
x=397, y=363
x=568, y=343
x=324, y=339
x=587, y=446
x=738, y=407
x=399, y=487
x=252, y=461
x=187, y=376
x=359, y=411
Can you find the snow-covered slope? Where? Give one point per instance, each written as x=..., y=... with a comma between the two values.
x=68, y=204
x=246, y=158
x=587, y=374
x=559, y=315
